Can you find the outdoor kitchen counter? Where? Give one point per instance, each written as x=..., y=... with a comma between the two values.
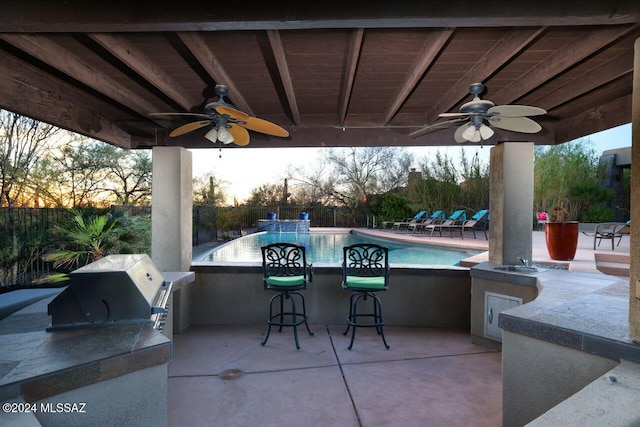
x=580, y=310
x=567, y=354
x=37, y=365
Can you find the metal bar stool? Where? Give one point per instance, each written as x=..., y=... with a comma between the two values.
x=286, y=272
x=365, y=271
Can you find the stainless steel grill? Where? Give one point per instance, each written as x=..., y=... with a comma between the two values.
x=114, y=289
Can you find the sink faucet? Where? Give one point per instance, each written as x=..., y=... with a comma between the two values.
x=524, y=261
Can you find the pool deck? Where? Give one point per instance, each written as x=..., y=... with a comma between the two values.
x=429, y=377
x=586, y=259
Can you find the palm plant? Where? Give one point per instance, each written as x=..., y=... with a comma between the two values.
x=84, y=240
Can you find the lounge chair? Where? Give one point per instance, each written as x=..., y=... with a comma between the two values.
x=479, y=219
x=389, y=225
x=435, y=218
x=404, y=224
x=611, y=230
x=455, y=218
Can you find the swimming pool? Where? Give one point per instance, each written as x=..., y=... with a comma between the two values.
x=327, y=248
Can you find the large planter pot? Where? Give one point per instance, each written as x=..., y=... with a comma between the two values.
x=562, y=239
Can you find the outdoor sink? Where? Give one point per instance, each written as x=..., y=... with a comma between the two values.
x=517, y=268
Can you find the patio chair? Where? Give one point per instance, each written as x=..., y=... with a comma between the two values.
x=541, y=219
x=611, y=231
x=286, y=272
x=435, y=218
x=477, y=221
x=404, y=224
x=365, y=271
x=455, y=218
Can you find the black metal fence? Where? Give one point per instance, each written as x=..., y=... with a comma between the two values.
x=211, y=223
x=29, y=233
x=26, y=234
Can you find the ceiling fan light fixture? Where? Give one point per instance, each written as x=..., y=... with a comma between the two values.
x=476, y=136
x=469, y=132
x=486, y=132
x=224, y=136
x=212, y=135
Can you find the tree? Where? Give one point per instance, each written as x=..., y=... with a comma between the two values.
x=439, y=189
x=266, y=195
x=23, y=141
x=475, y=183
x=345, y=176
x=82, y=171
x=93, y=173
x=208, y=191
x=559, y=168
x=131, y=177
x=447, y=187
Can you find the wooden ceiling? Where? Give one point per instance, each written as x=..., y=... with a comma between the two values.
x=331, y=73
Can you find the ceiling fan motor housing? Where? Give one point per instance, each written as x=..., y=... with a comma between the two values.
x=478, y=105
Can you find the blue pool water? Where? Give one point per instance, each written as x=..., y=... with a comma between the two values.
x=327, y=248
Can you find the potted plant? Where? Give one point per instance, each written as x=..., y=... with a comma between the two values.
x=561, y=235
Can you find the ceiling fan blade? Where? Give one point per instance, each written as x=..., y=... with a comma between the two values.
x=515, y=111
x=253, y=123
x=515, y=124
x=232, y=112
x=454, y=114
x=204, y=116
x=181, y=130
x=263, y=126
x=457, y=136
x=435, y=126
x=240, y=134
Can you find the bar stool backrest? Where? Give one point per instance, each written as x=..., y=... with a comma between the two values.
x=366, y=260
x=285, y=260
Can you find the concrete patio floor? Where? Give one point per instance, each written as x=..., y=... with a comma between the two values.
x=222, y=376
x=429, y=377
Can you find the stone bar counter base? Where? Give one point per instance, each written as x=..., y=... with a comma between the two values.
x=567, y=349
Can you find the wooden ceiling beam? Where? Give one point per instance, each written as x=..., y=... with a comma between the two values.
x=26, y=90
x=431, y=48
x=511, y=45
x=353, y=56
x=116, y=16
x=585, y=45
x=136, y=60
x=205, y=56
x=285, y=75
x=613, y=69
x=604, y=116
x=51, y=53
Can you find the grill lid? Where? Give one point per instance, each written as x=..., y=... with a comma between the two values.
x=116, y=288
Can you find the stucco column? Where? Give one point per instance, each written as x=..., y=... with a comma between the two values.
x=634, y=273
x=511, y=202
x=172, y=206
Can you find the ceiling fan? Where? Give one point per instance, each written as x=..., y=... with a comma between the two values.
x=229, y=124
x=478, y=111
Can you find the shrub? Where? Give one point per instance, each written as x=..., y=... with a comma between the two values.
x=394, y=207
